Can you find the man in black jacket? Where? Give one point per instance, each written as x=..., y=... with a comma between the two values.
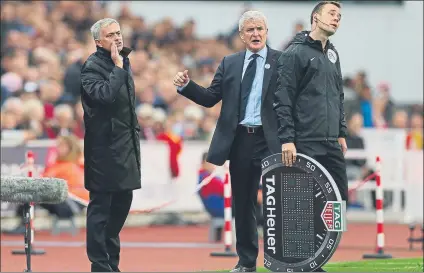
x=111, y=143
x=247, y=125
x=309, y=96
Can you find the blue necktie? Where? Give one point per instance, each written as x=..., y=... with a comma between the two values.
x=246, y=85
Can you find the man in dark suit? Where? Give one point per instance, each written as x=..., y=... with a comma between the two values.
x=111, y=143
x=246, y=131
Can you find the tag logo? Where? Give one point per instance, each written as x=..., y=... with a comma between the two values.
x=332, y=56
x=332, y=216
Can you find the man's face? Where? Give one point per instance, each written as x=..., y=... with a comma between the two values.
x=254, y=34
x=400, y=119
x=356, y=123
x=109, y=35
x=329, y=19
x=417, y=122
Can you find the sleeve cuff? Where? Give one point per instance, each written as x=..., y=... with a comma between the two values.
x=284, y=141
x=181, y=88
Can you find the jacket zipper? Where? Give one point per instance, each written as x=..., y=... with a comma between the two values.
x=326, y=97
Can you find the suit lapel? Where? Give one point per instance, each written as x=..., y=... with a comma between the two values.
x=270, y=63
x=238, y=73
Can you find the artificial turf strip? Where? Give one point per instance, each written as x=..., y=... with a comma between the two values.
x=383, y=265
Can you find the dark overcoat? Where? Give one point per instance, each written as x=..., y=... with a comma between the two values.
x=111, y=141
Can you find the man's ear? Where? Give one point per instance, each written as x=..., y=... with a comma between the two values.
x=315, y=17
x=241, y=36
x=98, y=43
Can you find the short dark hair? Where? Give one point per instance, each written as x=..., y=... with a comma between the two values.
x=318, y=7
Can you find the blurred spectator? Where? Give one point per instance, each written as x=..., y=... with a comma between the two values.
x=175, y=145
x=400, y=119
x=72, y=76
x=383, y=106
x=212, y=194
x=14, y=106
x=351, y=98
x=356, y=168
x=207, y=128
x=365, y=99
x=158, y=124
x=414, y=139
x=79, y=129
x=349, y=89
x=358, y=98
x=62, y=122
x=12, y=82
x=30, y=91
x=298, y=27
x=33, y=119
x=193, y=116
x=66, y=165
x=145, y=120
x=360, y=81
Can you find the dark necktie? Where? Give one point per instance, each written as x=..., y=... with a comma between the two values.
x=246, y=85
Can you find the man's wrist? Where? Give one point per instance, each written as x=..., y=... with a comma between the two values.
x=181, y=88
x=285, y=141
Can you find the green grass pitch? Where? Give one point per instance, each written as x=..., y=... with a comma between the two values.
x=386, y=265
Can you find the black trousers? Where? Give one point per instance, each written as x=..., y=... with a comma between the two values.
x=247, y=151
x=329, y=154
x=106, y=215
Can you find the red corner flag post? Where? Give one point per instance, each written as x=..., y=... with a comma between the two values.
x=379, y=215
x=29, y=221
x=228, y=219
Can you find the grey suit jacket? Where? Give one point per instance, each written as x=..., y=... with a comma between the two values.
x=225, y=86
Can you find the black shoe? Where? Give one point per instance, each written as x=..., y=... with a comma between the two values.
x=240, y=268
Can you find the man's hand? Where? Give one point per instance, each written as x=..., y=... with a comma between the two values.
x=181, y=78
x=288, y=154
x=342, y=142
x=116, y=58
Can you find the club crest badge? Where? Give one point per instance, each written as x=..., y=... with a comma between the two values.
x=332, y=56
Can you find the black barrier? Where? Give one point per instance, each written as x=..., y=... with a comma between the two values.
x=304, y=216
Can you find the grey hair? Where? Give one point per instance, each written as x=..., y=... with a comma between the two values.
x=252, y=15
x=95, y=29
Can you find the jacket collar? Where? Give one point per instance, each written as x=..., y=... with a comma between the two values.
x=106, y=54
x=263, y=53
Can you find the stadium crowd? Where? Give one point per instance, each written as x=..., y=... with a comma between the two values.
x=45, y=43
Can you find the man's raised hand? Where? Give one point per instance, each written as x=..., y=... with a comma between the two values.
x=116, y=58
x=181, y=78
